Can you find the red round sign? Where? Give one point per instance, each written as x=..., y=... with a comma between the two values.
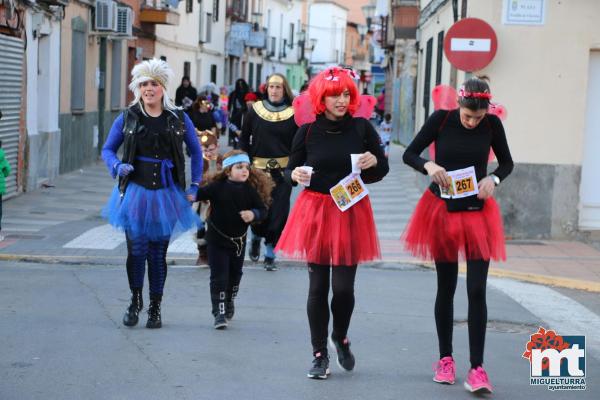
x=470, y=44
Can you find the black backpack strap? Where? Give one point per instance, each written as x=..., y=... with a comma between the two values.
x=308, y=133
x=444, y=121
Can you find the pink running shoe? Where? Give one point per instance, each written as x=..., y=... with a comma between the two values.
x=478, y=381
x=445, y=371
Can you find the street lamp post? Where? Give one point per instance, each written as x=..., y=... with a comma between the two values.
x=303, y=48
x=369, y=12
x=362, y=31
x=301, y=43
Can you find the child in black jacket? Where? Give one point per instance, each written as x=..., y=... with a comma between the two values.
x=238, y=196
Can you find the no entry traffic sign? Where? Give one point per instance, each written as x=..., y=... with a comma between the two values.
x=470, y=44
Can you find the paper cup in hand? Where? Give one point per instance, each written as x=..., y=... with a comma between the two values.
x=354, y=160
x=309, y=171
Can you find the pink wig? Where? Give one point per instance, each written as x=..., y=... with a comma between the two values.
x=332, y=82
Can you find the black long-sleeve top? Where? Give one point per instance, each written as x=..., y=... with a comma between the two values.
x=203, y=120
x=457, y=147
x=267, y=139
x=227, y=199
x=181, y=92
x=326, y=146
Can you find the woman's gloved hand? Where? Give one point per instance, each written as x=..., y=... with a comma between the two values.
x=124, y=169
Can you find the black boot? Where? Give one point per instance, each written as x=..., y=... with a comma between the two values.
x=254, y=249
x=218, y=309
x=154, y=318
x=229, y=304
x=137, y=303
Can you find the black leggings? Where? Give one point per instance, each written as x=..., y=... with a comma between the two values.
x=140, y=250
x=342, y=302
x=447, y=274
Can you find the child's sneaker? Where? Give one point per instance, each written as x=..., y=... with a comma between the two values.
x=478, y=381
x=445, y=371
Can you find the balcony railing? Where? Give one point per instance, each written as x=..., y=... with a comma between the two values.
x=158, y=12
x=236, y=10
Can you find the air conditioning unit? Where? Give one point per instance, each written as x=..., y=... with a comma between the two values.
x=106, y=15
x=124, y=21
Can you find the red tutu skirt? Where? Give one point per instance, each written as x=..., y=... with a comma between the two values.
x=433, y=233
x=318, y=232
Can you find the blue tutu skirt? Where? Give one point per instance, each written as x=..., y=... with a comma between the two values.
x=155, y=214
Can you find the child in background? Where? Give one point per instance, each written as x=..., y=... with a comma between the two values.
x=213, y=162
x=4, y=172
x=385, y=133
x=238, y=196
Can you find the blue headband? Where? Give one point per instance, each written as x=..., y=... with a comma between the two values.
x=238, y=158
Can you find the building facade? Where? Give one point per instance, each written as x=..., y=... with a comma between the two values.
x=282, y=19
x=327, y=24
x=400, y=41
x=92, y=78
x=195, y=47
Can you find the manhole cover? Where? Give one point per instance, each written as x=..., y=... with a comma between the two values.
x=504, y=326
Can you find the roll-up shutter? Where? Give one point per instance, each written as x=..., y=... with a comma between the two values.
x=11, y=80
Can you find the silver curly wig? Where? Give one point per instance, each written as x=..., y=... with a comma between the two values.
x=151, y=70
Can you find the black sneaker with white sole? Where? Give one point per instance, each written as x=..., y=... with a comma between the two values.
x=220, y=321
x=270, y=264
x=345, y=358
x=320, y=368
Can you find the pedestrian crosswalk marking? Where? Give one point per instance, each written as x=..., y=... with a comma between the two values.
x=185, y=244
x=103, y=237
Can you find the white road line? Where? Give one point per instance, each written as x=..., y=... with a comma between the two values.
x=184, y=244
x=563, y=314
x=103, y=237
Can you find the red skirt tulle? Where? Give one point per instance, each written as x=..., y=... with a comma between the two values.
x=319, y=233
x=433, y=233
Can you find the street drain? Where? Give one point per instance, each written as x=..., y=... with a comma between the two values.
x=25, y=236
x=504, y=326
x=525, y=243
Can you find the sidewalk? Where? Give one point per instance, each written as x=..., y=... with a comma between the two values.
x=38, y=225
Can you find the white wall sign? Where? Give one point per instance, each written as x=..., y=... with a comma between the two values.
x=524, y=12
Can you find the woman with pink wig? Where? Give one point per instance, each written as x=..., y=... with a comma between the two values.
x=330, y=240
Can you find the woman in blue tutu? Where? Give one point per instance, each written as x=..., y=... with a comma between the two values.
x=149, y=203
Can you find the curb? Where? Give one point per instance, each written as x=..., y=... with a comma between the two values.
x=548, y=280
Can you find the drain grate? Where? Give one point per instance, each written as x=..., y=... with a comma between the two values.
x=525, y=243
x=25, y=236
x=504, y=326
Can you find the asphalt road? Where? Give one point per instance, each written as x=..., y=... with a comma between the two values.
x=61, y=337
